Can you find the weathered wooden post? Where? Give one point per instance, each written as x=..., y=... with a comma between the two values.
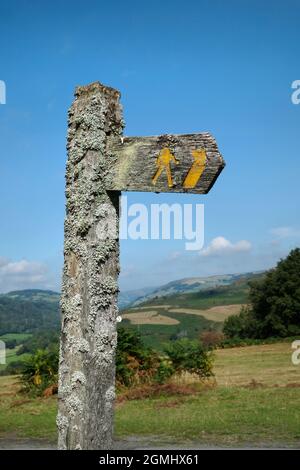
x=101, y=163
x=91, y=267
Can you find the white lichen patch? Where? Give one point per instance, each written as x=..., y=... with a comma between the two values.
x=78, y=378
x=62, y=422
x=82, y=345
x=74, y=405
x=110, y=394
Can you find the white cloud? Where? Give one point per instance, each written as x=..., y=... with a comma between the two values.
x=127, y=272
x=174, y=255
x=3, y=261
x=22, y=267
x=285, y=232
x=23, y=274
x=220, y=246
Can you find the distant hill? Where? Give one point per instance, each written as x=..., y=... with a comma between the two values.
x=127, y=298
x=193, y=285
x=34, y=295
x=27, y=311
x=31, y=310
x=235, y=292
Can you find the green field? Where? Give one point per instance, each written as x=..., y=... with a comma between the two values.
x=189, y=325
x=11, y=354
x=224, y=416
x=19, y=337
x=255, y=400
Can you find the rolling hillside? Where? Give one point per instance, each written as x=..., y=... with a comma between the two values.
x=127, y=298
x=28, y=311
x=193, y=285
x=187, y=314
x=182, y=308
x=234, y=292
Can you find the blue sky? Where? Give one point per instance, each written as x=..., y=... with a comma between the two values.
x=182, y=67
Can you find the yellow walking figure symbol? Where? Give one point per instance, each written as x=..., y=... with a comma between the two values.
x=196, y=170
x=163, y=162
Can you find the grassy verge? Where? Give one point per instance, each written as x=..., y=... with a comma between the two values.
x=222, y=416
x=24, y=416
x=256, y=400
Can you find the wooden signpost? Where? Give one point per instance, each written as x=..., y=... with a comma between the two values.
x=101, y=164
x=166, y=163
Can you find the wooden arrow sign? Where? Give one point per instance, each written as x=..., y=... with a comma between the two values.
x=166, y=163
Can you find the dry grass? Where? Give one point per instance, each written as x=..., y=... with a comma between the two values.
x=217, y=314
x=156, y=390
x=268, y=364
x=148, y=307
x=151, y=317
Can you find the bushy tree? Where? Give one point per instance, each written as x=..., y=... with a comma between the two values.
x=10, y=343
x=40, y=340
x=211, y=338
x=40, y=371
x=274, y=304
x=240, y=326
x=190, y=356
x=135, y=363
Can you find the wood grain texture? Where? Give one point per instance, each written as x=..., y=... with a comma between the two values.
x=136, y=163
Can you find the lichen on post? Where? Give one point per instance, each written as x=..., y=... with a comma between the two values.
x=91, y=267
